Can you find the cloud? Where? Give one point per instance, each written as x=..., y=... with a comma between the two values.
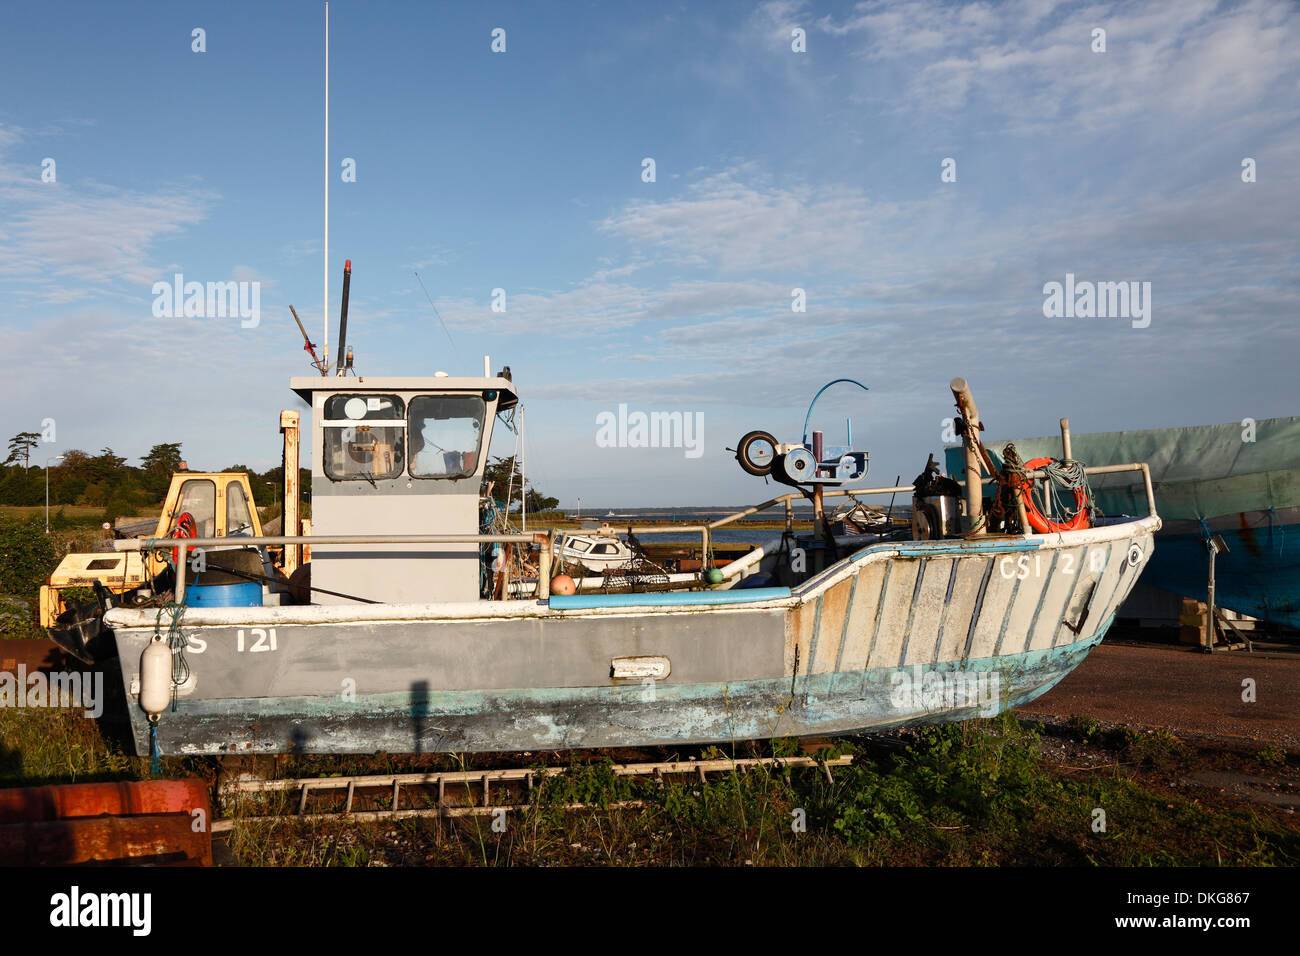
x=739, y=221
x=61, y=242
x=1178, y=62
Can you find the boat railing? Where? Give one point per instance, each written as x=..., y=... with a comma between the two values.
x=541, y=538
x=788, y=500
x=544, y=539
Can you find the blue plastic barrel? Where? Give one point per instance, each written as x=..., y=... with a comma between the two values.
x=244, y=594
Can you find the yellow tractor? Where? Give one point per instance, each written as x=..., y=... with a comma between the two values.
x=206, y=504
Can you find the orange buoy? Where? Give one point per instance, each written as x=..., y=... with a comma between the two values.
x=563, y=584
x=1044, y=525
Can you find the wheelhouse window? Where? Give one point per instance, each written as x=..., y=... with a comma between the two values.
x=364, y=437
x=446, y=434
x=199, y=498
x=238, y=518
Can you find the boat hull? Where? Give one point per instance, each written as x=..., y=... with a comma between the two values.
x=581, y=718
x=899, y=633
x=1258, y=575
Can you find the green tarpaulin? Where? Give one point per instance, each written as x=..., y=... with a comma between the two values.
x=1199, y=472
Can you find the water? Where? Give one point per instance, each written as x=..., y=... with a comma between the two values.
x=732, y=534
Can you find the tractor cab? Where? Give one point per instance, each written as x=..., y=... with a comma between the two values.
x=220, y=505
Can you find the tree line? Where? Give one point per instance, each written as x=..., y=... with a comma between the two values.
x=107, y=481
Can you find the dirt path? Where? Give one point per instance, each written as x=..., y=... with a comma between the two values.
x=1182, y=690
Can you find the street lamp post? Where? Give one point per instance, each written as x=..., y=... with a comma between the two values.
x=47, y=489
x=579, y=506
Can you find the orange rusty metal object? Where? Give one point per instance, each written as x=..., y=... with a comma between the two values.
x=37, y=655
x=168, y=838
x=34, y=804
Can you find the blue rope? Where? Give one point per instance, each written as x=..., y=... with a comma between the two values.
x=808, y=417
x=155, y=760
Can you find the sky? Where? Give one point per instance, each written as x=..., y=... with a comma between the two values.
x=921, y=171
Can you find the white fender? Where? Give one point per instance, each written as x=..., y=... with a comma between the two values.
x=155, y=678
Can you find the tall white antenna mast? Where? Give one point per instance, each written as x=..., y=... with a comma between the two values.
x=325, y=307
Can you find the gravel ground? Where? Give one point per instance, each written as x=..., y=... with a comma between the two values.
x=1184, y=691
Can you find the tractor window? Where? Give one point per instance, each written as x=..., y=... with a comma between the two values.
x=446, y=432
x=364, y=437
x=238, y=518
x=199, y=498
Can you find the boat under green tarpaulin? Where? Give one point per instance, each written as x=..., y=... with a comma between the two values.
x=1240, y=480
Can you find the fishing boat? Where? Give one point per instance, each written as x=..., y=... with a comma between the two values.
x=1238, y=481
x=388, y=639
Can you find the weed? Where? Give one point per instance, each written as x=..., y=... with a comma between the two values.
x=1271, y=756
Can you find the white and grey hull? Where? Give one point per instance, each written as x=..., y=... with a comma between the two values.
x=901, y=632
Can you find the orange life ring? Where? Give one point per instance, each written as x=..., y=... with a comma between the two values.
x=1044, y=525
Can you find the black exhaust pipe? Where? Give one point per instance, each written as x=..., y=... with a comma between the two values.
x=343, y=315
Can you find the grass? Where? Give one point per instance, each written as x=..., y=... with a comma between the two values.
x=71, y=512
x=978, y=793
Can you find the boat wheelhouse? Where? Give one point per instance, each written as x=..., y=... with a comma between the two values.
x=399, y=456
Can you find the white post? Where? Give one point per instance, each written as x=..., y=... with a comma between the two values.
x=47, y=490
x=487, y=366
x=523, y=475
x=325, y=305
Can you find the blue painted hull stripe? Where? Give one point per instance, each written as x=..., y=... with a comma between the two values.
x=911, y=612
x=1069, y=598
x=812, y=645
x=1042, y=596
x=848, y=614
x=1006, y=617
x=915, y=549
x=584, y=602
x=875, y=624
x=975, y=612
x=947, y=606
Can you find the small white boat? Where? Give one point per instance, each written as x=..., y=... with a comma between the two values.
x=599, y=550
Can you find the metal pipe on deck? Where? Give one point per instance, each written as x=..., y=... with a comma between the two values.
x=343, y=314
x=1065, y=439
x=544, y=572
x=974, y=486
x=148, y=544
x=289, y=421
